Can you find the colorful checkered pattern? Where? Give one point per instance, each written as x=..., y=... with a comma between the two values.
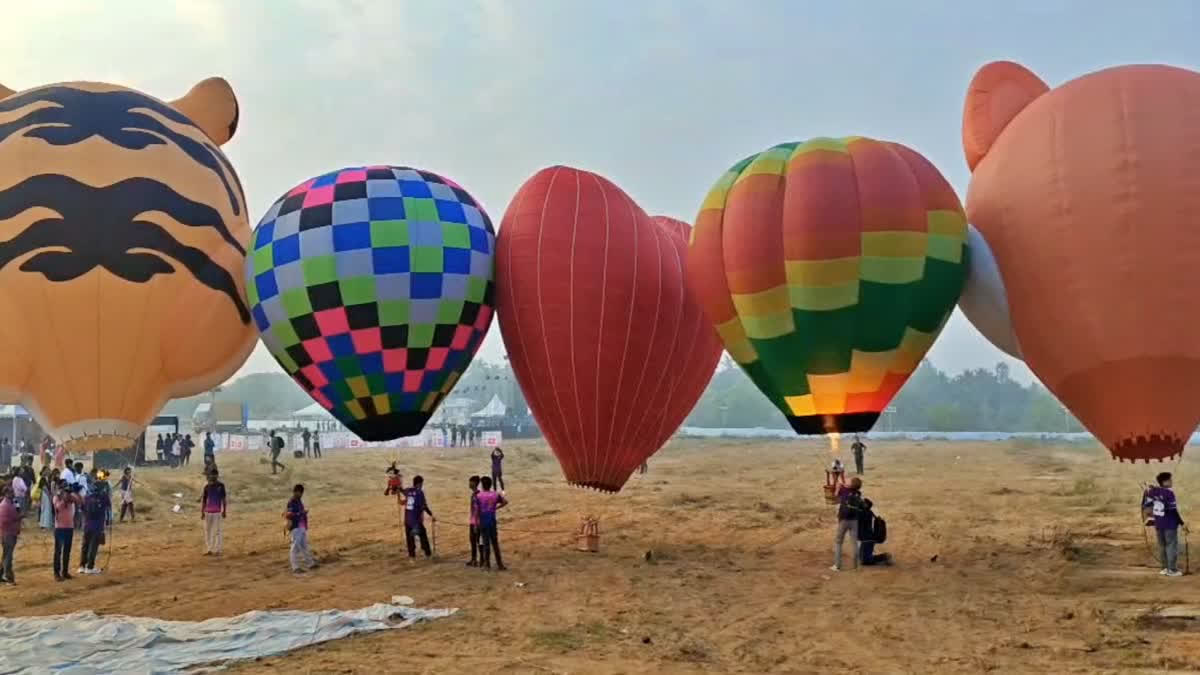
x=373, y=288
x=829, y=267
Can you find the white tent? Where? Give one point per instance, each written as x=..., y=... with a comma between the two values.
x=494, y=408
x=313, y=412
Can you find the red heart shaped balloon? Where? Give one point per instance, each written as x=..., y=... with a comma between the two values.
x=605, y=340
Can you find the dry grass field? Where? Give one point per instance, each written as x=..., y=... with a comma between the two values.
x=1011, y=557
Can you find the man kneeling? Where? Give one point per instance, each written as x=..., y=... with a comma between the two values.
x=872, y=530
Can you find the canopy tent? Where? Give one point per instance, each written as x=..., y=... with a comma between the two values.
x=494, y=408
x=8, y=412
x=313, y=412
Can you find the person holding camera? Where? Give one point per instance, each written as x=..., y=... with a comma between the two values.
x=66, y=500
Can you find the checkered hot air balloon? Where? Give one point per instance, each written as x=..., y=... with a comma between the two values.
x=829, y=267
x=372, y=287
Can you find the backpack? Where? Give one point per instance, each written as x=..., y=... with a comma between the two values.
x=879, y=533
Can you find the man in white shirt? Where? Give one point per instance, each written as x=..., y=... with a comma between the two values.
x=67, y=474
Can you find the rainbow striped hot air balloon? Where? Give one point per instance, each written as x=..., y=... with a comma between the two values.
x=829, y=267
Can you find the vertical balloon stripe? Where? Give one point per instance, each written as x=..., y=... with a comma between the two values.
x=607, y=293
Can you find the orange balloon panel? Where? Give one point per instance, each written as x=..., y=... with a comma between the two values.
x=1089, y=196
x=123, y=232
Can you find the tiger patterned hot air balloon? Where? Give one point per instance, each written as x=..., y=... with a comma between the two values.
x=829, y=267
x=123, y=231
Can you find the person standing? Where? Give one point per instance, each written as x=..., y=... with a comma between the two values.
x=125, y=487
x=47, y=483
x=276, y=447
x=66, y=501
x=19, y=489
x=97, y=509
x=850, y=508
x=159, y=447
x=210, y=449
x=488, y=502
x=473, y=521
x=297, y=517
x=5, y=454
x=307, y=436
x=213, y=502
x=10, y=529
x=859, y=449
x=498, y=467
x=316, y=441
x=1160, y=502
x=415, y=508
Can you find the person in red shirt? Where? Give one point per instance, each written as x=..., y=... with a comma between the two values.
x=10, y=529
x=66, y=500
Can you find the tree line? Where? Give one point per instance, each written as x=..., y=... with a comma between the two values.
x=974, y=400
x=980, y=399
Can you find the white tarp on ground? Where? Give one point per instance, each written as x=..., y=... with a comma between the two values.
x=84, y=643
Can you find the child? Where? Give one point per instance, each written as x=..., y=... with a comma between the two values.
x=213, y=501
x=488, y=502
x=1164, y=511
x=297, y=517
x=125, y=486
x=473, y=521
x=414, y=519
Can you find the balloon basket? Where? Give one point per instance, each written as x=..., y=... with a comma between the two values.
x=588, y=537
x=830, y=494
x=833, y=480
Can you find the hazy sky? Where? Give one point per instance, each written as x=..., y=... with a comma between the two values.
x=660, y=97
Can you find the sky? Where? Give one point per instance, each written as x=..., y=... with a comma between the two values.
x=660, y=97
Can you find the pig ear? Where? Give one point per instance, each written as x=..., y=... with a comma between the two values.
x=999, y=91
x=5, y=92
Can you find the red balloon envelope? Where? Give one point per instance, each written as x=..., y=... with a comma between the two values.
x=606, y=342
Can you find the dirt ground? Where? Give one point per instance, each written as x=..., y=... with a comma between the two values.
x=1012, y=557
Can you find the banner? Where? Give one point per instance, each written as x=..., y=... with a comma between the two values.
x=430, y=438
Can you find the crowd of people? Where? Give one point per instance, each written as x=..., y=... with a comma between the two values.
x=62, y=499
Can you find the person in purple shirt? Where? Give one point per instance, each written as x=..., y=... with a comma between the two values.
x=415, y=508
x=1159, y=502
x=297, y=517
x=97, y=509
x=487, y=502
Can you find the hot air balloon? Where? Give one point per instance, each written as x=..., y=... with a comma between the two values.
x=123, y=231
x=607, y=345
x=372, y=286
x=1088, y=195
x=829, y=267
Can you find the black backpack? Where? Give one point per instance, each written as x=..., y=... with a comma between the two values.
x=879, y=531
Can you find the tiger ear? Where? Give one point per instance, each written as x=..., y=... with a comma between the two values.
x=999, y=91
x=212, y=106
x=5, y=92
